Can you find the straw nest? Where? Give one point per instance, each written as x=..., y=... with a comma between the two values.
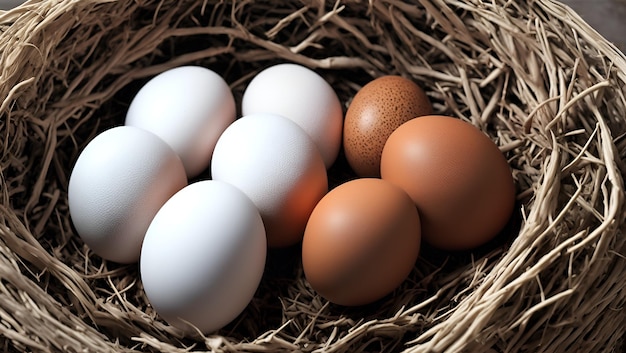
x=531, y=74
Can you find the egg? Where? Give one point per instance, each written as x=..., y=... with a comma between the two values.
x=302, y=95
x=361, y=242
x=203, y=256
x=273, y=161
x=459, y=180
x=376, y=110
x=188, y=107
x=118, y=183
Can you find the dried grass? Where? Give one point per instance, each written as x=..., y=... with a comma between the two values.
x=546, y=88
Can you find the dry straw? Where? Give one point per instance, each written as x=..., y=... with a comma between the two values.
x=545, y=87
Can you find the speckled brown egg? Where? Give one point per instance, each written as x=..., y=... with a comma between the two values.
x=377, y=109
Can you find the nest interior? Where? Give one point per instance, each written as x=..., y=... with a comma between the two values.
x=535, y=77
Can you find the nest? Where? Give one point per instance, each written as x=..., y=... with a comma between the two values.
x=532, y=75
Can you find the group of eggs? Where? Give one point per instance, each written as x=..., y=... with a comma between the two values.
x=137, y=192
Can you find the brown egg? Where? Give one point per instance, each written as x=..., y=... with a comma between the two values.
x=361, y=242
x=458, y=178
x=375, y=112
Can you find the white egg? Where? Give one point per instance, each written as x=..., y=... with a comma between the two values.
x=188, y=107
x=273, y=161
x=203, y=256
x=119, y=182
x=302, y=95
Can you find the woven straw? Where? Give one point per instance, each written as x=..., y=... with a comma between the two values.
x=531, y=74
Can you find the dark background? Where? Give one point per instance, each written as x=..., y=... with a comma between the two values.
x=607, y=16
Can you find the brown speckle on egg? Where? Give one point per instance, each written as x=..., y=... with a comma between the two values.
x=375, y=112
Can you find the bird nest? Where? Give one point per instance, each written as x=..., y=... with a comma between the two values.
x=532, y=75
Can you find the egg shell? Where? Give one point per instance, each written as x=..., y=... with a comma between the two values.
x=119, y=182
x=203, y=256
x=456, y=175
x=188, y=107
x=273, y=161
x=361, y=242
x=376, y=110
x=302, y=95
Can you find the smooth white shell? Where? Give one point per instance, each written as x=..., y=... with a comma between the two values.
x=203, y=256
x=300, y=94
x=188, y=107
x=119, y=182
x=273, y=161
